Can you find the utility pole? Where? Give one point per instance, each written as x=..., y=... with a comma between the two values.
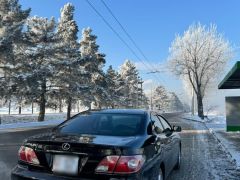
x=151, y=103
x=141, y=91
x=193, y=103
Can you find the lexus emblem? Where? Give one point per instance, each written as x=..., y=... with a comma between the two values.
x=66, y=146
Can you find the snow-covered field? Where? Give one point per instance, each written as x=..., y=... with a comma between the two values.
x=30, y=120
x=25, y=118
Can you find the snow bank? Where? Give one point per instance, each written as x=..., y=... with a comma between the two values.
x=11, y=119
x=29, y=121
x=29, y=124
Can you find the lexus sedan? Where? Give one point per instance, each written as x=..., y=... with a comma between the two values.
x=114, y=144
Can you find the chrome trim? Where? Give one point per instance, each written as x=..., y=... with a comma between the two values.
x=65, y=152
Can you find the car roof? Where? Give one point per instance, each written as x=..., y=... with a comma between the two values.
x=120, y=111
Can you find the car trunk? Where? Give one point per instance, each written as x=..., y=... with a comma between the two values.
x=90, y=149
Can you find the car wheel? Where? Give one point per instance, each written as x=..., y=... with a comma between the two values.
x=160, y=175
x=177, y=166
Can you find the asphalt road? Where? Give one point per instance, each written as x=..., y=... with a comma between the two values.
x=202, y=158
x=9, y=145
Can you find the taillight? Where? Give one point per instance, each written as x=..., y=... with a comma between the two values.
x=120, y=164
x=28, y=155
x=107, y=164
x=129, y=164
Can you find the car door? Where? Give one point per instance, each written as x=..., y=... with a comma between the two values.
x=172, y=138
x=152, y=148
x=163, y=145
x=157, y=123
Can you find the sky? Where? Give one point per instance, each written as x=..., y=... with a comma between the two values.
x=153, y=24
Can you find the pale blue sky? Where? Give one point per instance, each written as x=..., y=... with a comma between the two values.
x=152, y=23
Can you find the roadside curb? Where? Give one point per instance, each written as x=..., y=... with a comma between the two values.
x=222, y=145
x=193, y=120
x=229, y=155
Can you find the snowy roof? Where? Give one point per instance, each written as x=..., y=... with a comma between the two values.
x=232, y=79
x=121, y=111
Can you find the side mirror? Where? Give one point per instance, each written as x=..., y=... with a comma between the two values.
x=158, y=130
x=177, y=128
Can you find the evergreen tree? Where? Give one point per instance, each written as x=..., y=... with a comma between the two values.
x=129, y=73
x=175, y=103
x=71, y=78
x=160, y=98
x=39, y=55
x=145, y=102
x=93, y=62
x=115, y=85
x=12, y=19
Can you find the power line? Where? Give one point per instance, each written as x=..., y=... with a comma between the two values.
x=129, y=36
x=109, y=25
x=115, y=32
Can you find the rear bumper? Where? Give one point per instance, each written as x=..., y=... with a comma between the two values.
x=21, y=173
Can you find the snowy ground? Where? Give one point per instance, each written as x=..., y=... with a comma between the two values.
x=26, y=118
x=230, y=141
x=10, y=122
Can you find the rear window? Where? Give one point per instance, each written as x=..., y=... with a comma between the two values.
x=104, y=124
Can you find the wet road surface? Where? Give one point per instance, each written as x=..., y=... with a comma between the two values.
x=202, y=157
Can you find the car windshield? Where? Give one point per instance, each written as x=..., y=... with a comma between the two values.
x=104, y=124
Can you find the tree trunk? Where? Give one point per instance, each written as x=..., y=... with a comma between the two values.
x=32, y=107
x=60, y=105
x=78, y=106
x=19, y=109
x=42, y=103
x=9, y=107
x=20, y=106
x=69, y=108
x=200, y=106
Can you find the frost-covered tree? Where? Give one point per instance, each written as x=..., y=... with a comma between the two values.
x=115, y=86
x=71, y=79
x=199, y=55
x=93, y=62
x=12, y=19
x=129, y=73
x=160, y=98
x=39, y=55
x=175, y=103
x=145, y=101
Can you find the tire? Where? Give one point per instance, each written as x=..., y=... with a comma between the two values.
x=178, y=163
x=160, y=175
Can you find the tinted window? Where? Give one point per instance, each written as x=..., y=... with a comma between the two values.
x=164, y=123
x=156, y=121
x=104, y=124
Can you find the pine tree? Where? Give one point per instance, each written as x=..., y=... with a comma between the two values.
x=161, y=98
x=39, y=55
x=93, y=62
x=12, y=19
x=129, y=73
x=115, y=85
x=175, y=103
x=71, y=78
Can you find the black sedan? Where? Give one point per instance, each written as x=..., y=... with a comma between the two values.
x=104, y=144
